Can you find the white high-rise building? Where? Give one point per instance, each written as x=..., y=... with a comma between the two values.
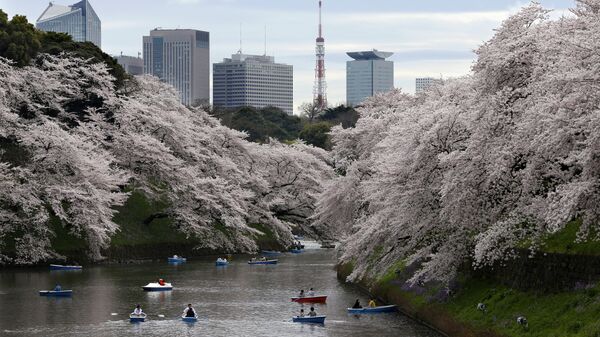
x=132, y=65
x=422, y=83
x=180, y=57
x=253, y=80
x=78, y=20
x=368, y=74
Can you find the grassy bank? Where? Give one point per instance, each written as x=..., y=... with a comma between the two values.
x=142, y=235
x=570, y=313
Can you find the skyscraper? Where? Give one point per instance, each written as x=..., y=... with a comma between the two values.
x=78, y=20
x=180, y=57
x=253, y=80
x=368, y=74
x=422, y=83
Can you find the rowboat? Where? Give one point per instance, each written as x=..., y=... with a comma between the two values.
x=62, y=267
x=274, y=261
x=310, y=299
x=56, y=293
x=133, y=318
x=189, y=319
x=271, y=252
x=295, y=251
x=374, y=310
x=177, y=259
x=309, y=319
x=155, y=286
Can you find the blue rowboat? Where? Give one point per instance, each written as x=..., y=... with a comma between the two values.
x=375, y=310
x=56, y=293
x=177, y=259
x=308, y=319
x=189, y=319
x=263, y=262
x=295, y=251
x=221, y=263
x=271, y=252
x=61, y=267
x=133, y=318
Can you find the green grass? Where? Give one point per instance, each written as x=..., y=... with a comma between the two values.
x=267, y=239
x=565, y=314
x=133, y=230
x=574, y=314
x=563, y=242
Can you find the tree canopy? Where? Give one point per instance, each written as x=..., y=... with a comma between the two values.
x=480, y=166
x=21, y=42
x=73, y=150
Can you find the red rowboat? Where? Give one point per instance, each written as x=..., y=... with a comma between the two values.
x=310, y=299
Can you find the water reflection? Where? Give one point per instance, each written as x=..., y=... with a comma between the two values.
x=235, y=300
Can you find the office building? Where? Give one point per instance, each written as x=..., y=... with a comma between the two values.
x=253, y=80
x=422, y=83
x=78, y=20
x=368, y=74
x=180, y=57
x=132, y=65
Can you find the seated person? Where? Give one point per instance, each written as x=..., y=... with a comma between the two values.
x=372, y=303
x=357, y=305
x=161, y=282
x=301, y=313
x=57, y=287
x=189, y=311
x=137, y=310
x=312, y=312
x=301, y=293
x=263, y=258
x=311, y=292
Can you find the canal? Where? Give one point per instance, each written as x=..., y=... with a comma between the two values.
x=237, y=300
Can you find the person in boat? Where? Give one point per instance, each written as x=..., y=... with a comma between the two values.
x=311, y=293
x=161, y=282
x=189, y=311
x=301, y=293
x=253, y=259
x=312, y=312
x=57, y=287
x=175, y=256
x=263, y=258
x=301, y=313
x=372, y=303
x=138, y=310
x=357, y=305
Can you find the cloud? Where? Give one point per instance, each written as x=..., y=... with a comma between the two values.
x=412, y=17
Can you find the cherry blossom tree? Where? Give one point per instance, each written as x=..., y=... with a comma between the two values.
x=479, y=166
x=72, y=147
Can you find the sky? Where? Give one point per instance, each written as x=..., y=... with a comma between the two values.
x=428, y=37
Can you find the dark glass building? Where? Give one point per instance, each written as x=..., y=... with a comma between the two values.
x=78, y=20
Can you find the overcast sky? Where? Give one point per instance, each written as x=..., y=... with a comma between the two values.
x=429, y=37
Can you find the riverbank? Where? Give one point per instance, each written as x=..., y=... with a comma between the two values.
x=572, y=313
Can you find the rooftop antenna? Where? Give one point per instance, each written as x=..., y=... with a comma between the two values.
x=240, y=51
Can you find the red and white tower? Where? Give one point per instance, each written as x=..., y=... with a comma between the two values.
x=320, y=89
